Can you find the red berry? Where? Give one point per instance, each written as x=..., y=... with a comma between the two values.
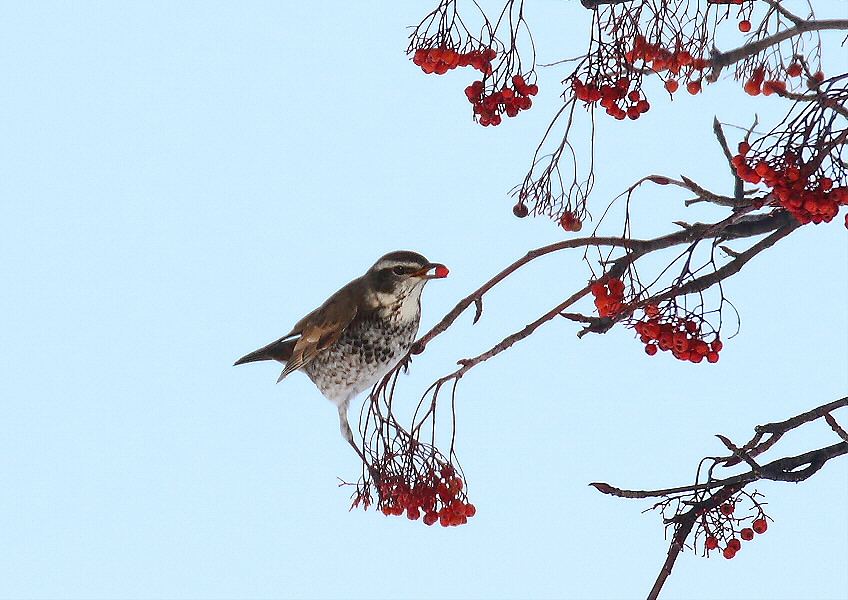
x=520, y=210
x=793, y=70
x=651, y=349
x=752, y=88
x=745, y=26
x=726, y=509
x=616, y=287
x=773, y=86
x=599, y=290
x=442, y=271
x=747, y=534
x=470, y=510
x=430, y=518
x=735, y=544
x=671, y=86
x=729, y=552
x=760, y=526
x=412, y=514
x=711, y=543
x=693, y=87
x=457, y=507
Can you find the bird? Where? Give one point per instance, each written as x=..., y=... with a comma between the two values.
x=359, y=334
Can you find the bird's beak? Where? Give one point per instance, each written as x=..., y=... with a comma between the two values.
x=433, y=271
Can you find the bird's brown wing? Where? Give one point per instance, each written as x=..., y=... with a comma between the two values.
x=320, y=329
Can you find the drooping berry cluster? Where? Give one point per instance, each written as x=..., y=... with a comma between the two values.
x=442, y=60
x=615, y=96
x=609, y=297
x=682, y=336
x=489, y=97
x=438, y=497
x=758, y=84
x=810, y=197
x=679, y=62
x=723, y=528
x=508, y=100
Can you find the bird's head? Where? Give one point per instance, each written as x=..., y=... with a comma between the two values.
x=401, y=275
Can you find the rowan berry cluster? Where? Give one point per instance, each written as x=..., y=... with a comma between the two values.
x=679, y=62
x=758, y=84
x=810, y=198
x=681, y=336
x=609, y=297
x=616, y=97
x=437, y=496
x=507, y=100
x=721, y=526
x=442, y=60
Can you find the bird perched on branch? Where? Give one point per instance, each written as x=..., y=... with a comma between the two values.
x=359, y=334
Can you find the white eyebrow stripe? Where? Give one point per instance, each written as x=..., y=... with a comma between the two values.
x=388, y=264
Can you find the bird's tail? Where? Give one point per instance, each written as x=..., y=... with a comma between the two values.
x=281, y=351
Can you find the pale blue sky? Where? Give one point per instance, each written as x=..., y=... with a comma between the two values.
x=181, y=182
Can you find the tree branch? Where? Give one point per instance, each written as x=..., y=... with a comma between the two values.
x=778, y=470
x=723, y=59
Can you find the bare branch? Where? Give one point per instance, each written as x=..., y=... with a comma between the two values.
x=779, y=470
x=835, y=426
x=723, y=59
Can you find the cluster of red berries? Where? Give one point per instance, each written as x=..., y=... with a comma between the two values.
x=758, y=84
x=609, y=297
x=809, y=200
x=759, y=526
x=570, y=222
x=615, y=98
x=438, y=497
x=508, y=100
x=681, y=336
x=674, y=61
x=442, y=60
x=678, y=62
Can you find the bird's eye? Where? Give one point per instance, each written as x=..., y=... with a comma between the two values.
x=399, y=270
